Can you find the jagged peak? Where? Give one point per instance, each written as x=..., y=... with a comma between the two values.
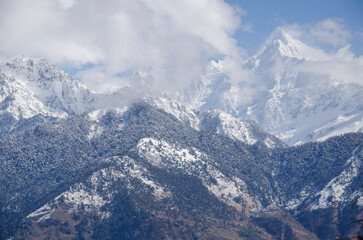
x=50, y=85
x=23, y=62
x=35, y=70
x=280, y=34
x=281, y=43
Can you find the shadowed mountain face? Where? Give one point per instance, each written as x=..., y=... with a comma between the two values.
x=140, y=172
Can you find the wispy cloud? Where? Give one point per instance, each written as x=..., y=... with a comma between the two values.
x=331, y=31
x=339, y=64
x=66, y=3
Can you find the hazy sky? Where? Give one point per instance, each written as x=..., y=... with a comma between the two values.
x=164, y=45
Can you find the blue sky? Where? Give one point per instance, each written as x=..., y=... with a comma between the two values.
x=264, y=16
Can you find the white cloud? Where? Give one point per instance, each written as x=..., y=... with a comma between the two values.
x=66, y=3
x=331, y=31
x=340, y=64
x=171, y=41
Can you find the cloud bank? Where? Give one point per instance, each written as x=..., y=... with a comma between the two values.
x=340, y=64
x=117, y=43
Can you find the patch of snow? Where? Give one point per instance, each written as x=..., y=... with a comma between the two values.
x=232, y=191
x=78, y=196
x=97, y=114
x=295, y=202
x=141, y=173
x=42, y=213
x=154, y=151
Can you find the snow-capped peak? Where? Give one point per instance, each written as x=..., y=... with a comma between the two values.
x=52, y=86
x=282, y=44
x=32, y=91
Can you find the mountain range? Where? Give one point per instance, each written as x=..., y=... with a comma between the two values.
x=296, y=105
x=198, y=164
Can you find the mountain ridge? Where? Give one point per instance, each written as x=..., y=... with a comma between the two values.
x=152, y=153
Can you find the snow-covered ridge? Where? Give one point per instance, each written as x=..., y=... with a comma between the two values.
x=33, y=87
x=99, y=190
x=20, y=102
x=179, y=110
x=233, y=191
x=215, y=121
x=52, y=86
x=297, y=106
x=246, y=131
x=32, y=92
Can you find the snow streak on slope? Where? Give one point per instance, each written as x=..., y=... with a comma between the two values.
x=339, y=190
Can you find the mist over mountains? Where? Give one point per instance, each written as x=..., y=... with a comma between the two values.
x=282, y=94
